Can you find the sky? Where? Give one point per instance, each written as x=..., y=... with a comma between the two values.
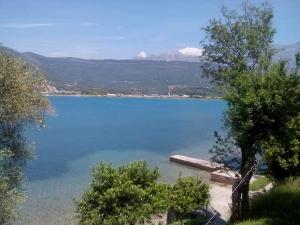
x=119, y=29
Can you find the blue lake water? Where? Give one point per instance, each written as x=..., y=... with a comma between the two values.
x=86, y=130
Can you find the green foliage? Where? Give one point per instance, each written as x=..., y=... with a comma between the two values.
x=265, y=110
x=21, y=104
x=282, y=151
x=281, y=205
x=188, y=194
x=238, y=50
x=124, y=195
x=20, y=93
x=257, y=222
x=260, y=183
x=263, y=99
x=232, y=45
x=131, y=194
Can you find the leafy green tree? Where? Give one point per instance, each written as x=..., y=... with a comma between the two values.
x=124, y=195
x=238, y=52
x=188, y=194
x=265, y=110
x=21, y=104
x=238, y=43
x=282, y=147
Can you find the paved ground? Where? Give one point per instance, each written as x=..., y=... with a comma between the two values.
x=221, y=199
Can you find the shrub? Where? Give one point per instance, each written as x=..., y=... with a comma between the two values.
x=187, y=195
x=281, y=205
x=124, y=195
x=256, y=222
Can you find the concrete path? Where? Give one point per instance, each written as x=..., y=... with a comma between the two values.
x=220, y=201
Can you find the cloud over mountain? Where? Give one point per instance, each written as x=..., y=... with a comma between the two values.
x=191, y=51
x=142, y=55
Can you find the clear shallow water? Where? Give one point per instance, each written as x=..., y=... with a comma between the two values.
x=86, y=130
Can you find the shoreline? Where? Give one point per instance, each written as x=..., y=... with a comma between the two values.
x=136, y=96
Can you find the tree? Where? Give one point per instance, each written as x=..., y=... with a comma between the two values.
x=238, y=43
x=21, y=104
x=188, y=194
x=266, y=110
x=123, y=195
x=282, y=147
x=238, y=51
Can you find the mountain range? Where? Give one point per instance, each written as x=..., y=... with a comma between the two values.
x=133, y=76
x=156, y=74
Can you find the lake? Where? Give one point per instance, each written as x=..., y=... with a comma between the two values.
x=87, y=130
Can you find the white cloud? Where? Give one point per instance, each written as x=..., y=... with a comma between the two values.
x=142, y=55
x=26, y=25
x=191, y=51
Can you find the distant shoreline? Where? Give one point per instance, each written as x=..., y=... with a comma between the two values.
x=135, y=96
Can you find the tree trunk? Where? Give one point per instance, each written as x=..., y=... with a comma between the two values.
x=245, y=207
x=246, y=172
x=240, y=196
x=236, y=203
x=170, y=216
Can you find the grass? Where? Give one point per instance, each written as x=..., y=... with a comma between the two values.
x=279, y=206
x=191, y=221
x=255, y=222
x=259, y=183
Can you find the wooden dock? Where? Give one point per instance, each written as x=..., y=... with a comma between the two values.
x=198, y=163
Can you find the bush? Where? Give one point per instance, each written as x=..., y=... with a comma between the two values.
x=124, y=195
x=256, y=222
x=187, y=195
x=281, y=205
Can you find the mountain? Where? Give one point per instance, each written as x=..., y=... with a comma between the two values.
x=123, y=76
x=171, y=56
x=156, y=74
x=10, y=51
